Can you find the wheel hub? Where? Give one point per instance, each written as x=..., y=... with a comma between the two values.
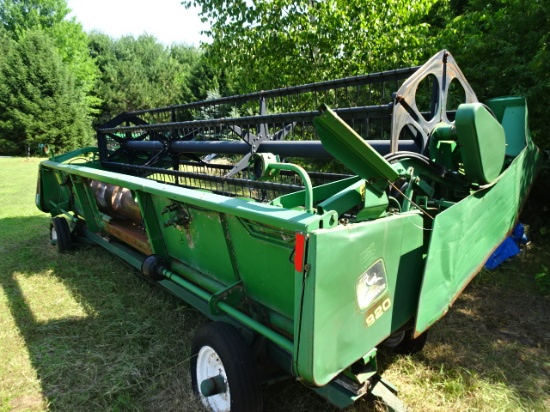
x=212, y=380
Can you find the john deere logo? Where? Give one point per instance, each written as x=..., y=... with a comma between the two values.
x=371, y=285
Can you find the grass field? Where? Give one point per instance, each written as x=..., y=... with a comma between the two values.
x=81, y=332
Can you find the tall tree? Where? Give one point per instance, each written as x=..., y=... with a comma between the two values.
x=187, y=58
x=70, y=40
x=139, y=73
x=283, y=42
x=17, y=16
x=503, y=48
x=38, y=97
x=206, y=78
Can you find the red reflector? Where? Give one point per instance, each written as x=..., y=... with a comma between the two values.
x=299, y=250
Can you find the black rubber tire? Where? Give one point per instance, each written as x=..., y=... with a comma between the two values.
x=60, y=235
x=237, y=360
x=409, y=345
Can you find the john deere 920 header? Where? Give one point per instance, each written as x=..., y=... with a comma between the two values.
x=313, y=224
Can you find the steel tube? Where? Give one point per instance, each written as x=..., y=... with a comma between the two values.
x=308, y=148
x=186, y=285
x=258, y=327
x=380, y=77
x=231, y=311
x=308, y=189
x=150, y=145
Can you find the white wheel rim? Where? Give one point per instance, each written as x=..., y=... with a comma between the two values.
x=53, y=236
x=210, y=365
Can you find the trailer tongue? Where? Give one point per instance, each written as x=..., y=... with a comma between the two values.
x=230, y=205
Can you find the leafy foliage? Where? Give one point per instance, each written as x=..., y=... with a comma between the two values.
x=40, y=101
x=70, y=40
x=205, y=79
x=17, y=16
x=502, y=46
x=139, y=73
x=284, y=42
x=47, y=75
x=103, y=76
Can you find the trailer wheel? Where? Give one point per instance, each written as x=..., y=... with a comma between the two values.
x=60, y=234
x=410, y=345
x=223, y=371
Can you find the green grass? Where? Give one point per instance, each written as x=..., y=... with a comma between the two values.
x=81, y=332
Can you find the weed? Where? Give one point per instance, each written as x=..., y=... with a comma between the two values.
x=542, y=280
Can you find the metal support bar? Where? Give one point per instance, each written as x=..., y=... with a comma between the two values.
x=234, y=293
x=384, y=391
x=305, y=180
x=373, y=78
x=209, y=178
x=309, y=148
x=258, y=327
x=119, y=249
x=87, y=202
x=231, y=311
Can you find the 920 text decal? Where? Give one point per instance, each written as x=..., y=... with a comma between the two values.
x=378, y=311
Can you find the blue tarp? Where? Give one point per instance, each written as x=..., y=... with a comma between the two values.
x=508, y=248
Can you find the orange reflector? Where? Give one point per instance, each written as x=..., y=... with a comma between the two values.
x=299, y=248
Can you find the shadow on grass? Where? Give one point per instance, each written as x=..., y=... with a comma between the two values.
x=493, y=344
x=101, y=338
x=498, y=331
x=98, y=337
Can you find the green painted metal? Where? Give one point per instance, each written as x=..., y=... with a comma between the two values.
x=232, y=295
x=258, y=327
x=319, y=194
x=85, y=205
x=466, y=234
x=234, y=313
x=283, y=218
x=346, y=145
x=511, y=112
x=332, y=330
x=386, y=392
x=337, y=395
x=154, y=230
x=308, y=202
x=345, y=199
x=444, y=148
x=482, y=142
x=375, y=203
